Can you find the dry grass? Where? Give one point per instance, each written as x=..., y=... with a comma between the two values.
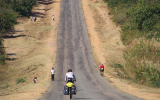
x=109, y=35
x=33, y=56
x=142, y=61
x=109, y=38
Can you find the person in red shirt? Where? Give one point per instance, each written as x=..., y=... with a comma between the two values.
x=102, y=68
x=35, y=18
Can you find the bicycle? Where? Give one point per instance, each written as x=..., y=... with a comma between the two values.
x=101, y=71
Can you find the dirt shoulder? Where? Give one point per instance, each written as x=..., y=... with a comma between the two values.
x=108, y=48
x=31, y=52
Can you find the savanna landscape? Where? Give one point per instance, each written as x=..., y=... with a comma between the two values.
x=124, y=35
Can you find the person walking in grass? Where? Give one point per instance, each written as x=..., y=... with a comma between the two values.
x=53, y=17
x=35, y=80
x=31, y=18
x=35, y=18
x=52, y=74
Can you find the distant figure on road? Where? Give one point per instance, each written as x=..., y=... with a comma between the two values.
x=53, y=17
x=52, y=74
x=102, y=68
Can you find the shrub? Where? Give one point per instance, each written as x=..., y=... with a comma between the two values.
x=2, y=59
x=6, y=86
x=154, y=34
x=129, y=35
x=119, y=18
x=24, y=7
x=148, y=75
x=144, y=15
x=20, y=80
x=7, y=19
x=142, y=61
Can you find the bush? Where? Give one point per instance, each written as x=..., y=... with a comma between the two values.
x=7, y=19
x=142, y=61
x=6, y=86
x=116, y=3
x=129, y=35
x=154, y=34
x=24, y=7
x=148, y=75
x=119, y=18
x=2, y=59
x=144, y=15
x=20, y=80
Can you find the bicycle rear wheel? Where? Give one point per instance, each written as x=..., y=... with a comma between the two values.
x=70, y=90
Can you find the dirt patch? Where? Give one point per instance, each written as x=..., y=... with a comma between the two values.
x=31, y=52
x=108, y=48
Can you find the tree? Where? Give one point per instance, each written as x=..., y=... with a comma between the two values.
x=144, y=16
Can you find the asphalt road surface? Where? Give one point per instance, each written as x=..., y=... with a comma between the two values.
x=74, y=51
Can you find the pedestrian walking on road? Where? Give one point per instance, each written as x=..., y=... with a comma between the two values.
x=52, y=74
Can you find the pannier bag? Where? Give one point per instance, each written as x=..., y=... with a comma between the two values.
x=74, y=90
x=65, y=91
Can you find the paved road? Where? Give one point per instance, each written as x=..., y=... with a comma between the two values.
x=74, y=51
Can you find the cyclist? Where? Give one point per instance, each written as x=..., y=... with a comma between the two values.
x=70, y=77
x=102, y=68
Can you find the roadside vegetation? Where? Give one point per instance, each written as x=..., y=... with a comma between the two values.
x=10, y=10
x=140, y=33
x=29, y=51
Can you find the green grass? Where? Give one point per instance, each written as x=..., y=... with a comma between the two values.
x=6, y=86
x=2, y=59
x=20, y=80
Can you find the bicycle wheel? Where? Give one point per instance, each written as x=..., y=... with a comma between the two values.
x=70, y=90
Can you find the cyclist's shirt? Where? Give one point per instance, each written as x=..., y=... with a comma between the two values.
x=69, y=75
x=102, y=66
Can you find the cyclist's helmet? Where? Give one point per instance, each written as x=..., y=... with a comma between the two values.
x=69, y=70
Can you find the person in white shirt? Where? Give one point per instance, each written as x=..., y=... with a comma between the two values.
x=52, y=74
x=70, y=77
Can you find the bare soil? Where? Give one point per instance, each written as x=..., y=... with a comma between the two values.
x=31, y=51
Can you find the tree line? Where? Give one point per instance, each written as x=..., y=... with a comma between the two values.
x=10, y=10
